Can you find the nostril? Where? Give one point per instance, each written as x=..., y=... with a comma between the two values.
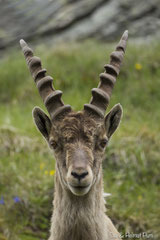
x=74, y=174
x=79, y=176
x=84, y=174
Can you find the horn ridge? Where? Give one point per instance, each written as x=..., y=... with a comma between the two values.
x=101, y=95
x=50, y=96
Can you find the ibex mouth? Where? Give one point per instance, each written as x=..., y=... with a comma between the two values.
x=79, y=190
x=79, y=186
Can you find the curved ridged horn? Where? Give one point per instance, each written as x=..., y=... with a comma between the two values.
x=101, y=95
x=50, y=96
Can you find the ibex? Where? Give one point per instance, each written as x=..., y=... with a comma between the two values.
x=78, y=140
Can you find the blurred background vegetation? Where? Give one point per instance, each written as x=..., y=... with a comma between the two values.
x=132, y=160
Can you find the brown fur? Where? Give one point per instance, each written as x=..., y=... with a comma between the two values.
x=79, y=217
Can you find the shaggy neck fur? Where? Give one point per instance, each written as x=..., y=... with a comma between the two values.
x=78, y=218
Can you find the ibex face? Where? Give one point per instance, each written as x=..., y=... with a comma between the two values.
x=78, y=139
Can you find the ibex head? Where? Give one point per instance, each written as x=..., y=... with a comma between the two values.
x=78, y=139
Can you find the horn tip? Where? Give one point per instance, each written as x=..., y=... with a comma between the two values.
x=22, y=43
x=125, y=35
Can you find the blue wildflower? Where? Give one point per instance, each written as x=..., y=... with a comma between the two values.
x=2, y=201
x=16, y=199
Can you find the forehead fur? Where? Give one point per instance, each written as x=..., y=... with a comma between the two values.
x=76, y=125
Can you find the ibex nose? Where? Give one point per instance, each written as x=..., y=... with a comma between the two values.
x=79, y=176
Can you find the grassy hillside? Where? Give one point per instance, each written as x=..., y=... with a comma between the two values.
x=132, y=162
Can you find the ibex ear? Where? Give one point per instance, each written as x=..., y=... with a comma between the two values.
x=42, y=122
x=113, y=119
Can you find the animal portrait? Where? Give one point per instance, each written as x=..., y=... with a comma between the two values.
x=78, y=141
x=79, y=120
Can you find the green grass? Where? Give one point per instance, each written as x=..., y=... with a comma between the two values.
x=131, y=166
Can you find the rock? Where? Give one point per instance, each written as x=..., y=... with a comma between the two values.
x=65, y=20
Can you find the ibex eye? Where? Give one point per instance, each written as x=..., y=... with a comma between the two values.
x=103, y=143
x=53, y=144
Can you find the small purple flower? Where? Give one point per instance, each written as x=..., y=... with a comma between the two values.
x=16, y=199
x=2, y=201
